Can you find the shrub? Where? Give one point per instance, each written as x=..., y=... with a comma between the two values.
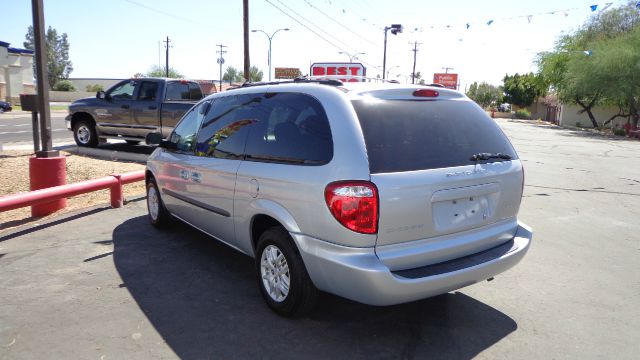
x=64, y=85
x=94, y=88
x=523, y=114
x=619, y=132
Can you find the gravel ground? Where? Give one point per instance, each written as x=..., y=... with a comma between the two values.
x=14, y=178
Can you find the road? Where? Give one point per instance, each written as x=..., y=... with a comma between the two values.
x=105, y=284
x=16, y=128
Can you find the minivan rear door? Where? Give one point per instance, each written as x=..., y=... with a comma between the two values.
x=435, y=201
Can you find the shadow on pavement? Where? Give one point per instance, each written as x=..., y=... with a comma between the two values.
x=122, y=146
x=202, y=298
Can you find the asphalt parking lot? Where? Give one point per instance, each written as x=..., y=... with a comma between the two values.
x=104, y=284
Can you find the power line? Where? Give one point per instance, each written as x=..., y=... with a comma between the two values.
x=168, y=14
x=315, y=33
x=306, y=27
x=339, y=23
x=310, y=22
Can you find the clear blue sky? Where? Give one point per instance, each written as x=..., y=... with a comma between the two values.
x=118, y=38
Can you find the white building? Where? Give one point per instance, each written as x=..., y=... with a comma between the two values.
x=16, y=73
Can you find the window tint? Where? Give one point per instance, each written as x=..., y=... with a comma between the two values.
x=147, y=91
x=184, y=135
x=405, y=135
x=195, y=93
x=224, y=130
x=290, y=128
x=123, y=91
x=179, y=90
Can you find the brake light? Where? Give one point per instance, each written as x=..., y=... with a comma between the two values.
x=426, y=93
x=354, y=204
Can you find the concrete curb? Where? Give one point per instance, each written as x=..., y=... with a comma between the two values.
x=113, y=155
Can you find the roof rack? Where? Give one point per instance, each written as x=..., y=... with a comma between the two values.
x=299, y=80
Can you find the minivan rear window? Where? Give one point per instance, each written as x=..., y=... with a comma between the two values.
x=405, y=135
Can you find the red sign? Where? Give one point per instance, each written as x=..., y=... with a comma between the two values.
x=450, y=81
x=346, y=72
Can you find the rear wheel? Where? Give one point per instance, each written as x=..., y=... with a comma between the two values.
x=84, y=133
x=282, y=277
x=158, y=215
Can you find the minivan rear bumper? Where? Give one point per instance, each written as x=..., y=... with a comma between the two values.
x=358, y=274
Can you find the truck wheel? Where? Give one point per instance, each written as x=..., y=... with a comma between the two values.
x=282, y=277
x=158, y=215
x=84, y=133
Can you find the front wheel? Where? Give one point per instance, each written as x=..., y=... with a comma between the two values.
x=84, y=133
x=282, y=277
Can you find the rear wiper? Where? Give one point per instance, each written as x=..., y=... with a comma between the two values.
x=488, y=156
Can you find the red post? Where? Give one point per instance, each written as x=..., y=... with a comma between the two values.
x=45, y=173
x=116, y=192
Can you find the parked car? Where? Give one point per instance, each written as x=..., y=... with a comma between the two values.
x=131, y=109
x=379, y=193
x=5, y=106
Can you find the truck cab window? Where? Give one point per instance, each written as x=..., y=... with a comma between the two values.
x=123, y=91
x=148, y=91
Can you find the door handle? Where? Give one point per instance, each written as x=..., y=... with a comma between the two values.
x=153, y=107
x=125, y=106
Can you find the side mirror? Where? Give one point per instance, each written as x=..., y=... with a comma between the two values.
x=100, y=94
x=153, y=138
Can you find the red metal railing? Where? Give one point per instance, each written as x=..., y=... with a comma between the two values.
x=112, y=182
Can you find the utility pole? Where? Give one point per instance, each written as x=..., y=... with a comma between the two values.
x=415, y=53
x=446, y=69
x=167, y=56
x=245, y=20
x=221, y=61
x=41, y=74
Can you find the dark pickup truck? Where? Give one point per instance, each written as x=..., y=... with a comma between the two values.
x=131, y=109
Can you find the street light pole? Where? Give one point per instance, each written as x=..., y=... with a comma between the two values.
x=270, y=38
x=395, y=29
x=351, y=57
x=391, y=68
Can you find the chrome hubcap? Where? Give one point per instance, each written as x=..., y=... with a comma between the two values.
x=153, y=203
x=275, y=273
x=83, y=133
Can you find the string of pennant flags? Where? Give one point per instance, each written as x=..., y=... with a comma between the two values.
x=529, y=17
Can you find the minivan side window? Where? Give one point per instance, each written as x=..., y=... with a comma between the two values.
x=184, y=135
x=225, y=128
x=292, y=128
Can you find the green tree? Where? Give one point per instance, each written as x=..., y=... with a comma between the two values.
x=94, y=88
x=255, y=74
x=160, y=71
x=58, y=64
x=597, y=64
x=232, y=75
x=63, y=85
x=523, y=90
x=485, y=94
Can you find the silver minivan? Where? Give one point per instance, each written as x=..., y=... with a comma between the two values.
x=379, y=193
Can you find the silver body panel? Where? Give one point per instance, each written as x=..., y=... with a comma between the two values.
x=422, y=217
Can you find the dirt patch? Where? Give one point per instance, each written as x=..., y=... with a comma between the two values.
x=14, y=178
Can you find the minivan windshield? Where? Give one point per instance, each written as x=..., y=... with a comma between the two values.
x=407, y=135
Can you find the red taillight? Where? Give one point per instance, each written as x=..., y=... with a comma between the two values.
x=426, y=93
x=354, y=204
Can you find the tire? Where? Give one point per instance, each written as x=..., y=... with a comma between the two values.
x=132, y=142
x=277, y=253
x=84, y=133
x=158, y=214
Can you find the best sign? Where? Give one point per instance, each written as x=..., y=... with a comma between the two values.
x=350, y=71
